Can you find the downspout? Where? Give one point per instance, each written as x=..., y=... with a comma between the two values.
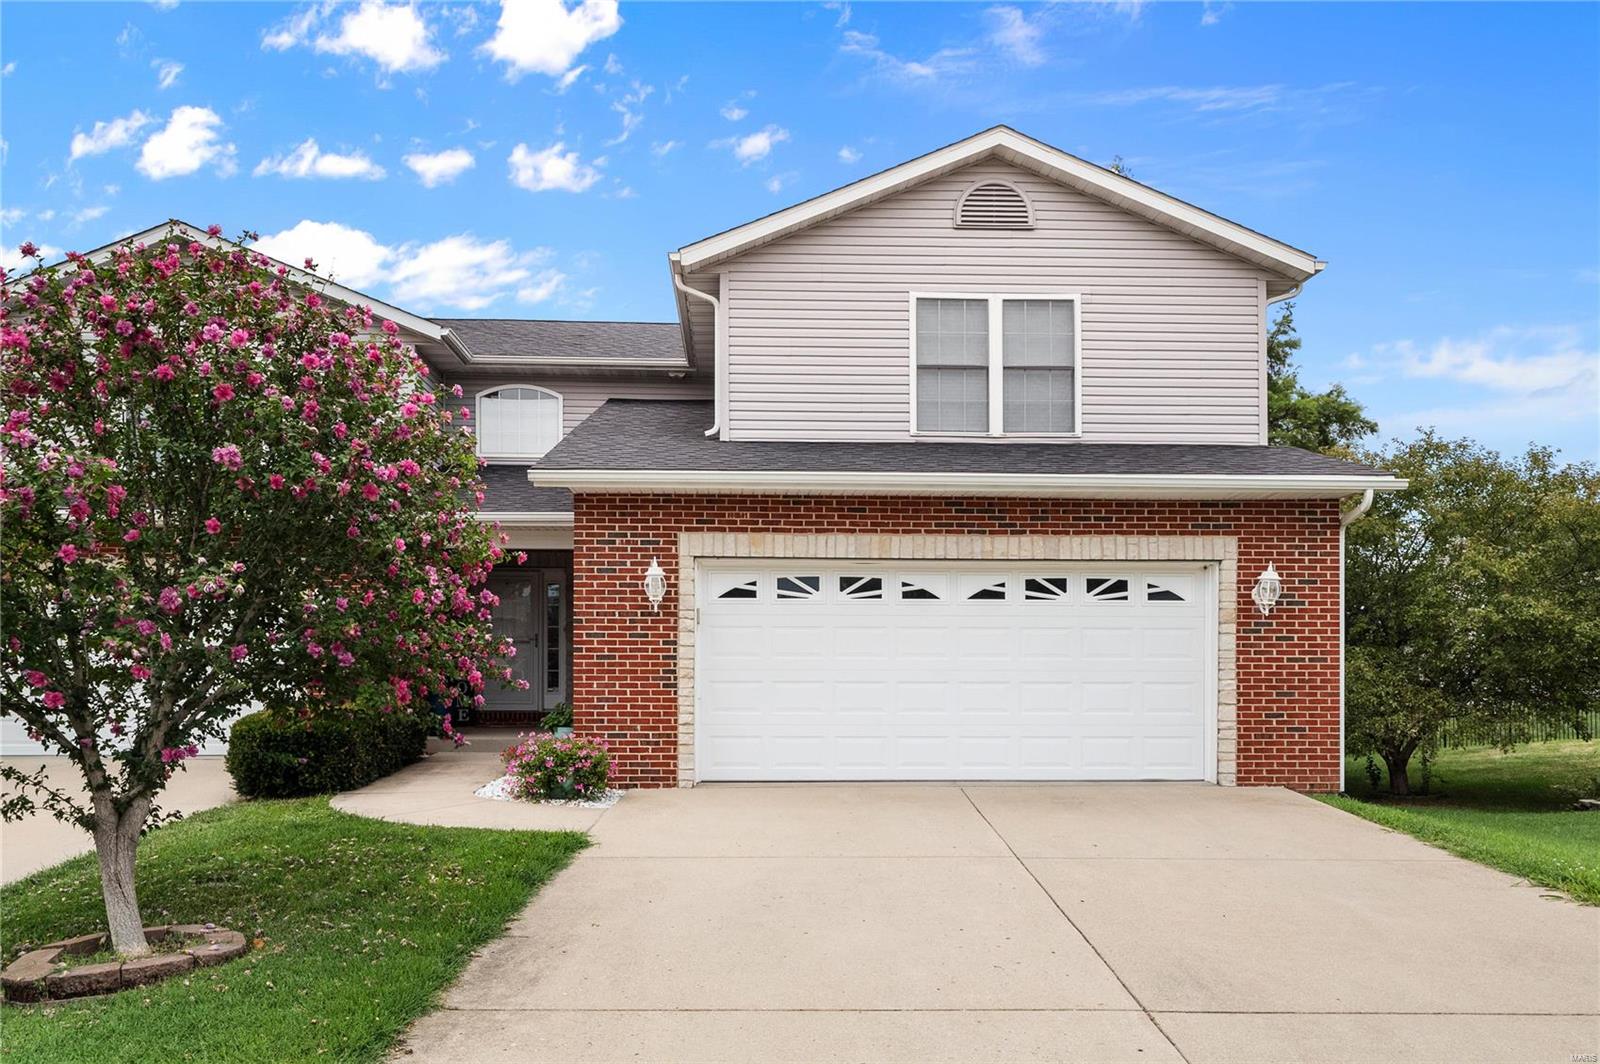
x=1290, y=294
x=719, y=381
x=1345, y=520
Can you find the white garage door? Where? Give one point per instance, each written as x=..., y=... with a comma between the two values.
x=849, y=671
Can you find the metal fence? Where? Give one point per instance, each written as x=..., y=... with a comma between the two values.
x=1473, y=733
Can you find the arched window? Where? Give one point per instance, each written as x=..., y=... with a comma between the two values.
x=518, y=421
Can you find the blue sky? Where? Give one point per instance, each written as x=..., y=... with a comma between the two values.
x=541, y=160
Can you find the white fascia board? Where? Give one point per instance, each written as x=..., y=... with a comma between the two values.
x=539, y=361
x=1040, y=485
x=1026, y=151
x=527, y=519
x=404, y=318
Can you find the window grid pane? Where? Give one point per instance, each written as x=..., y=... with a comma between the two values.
x=952, y=365
x=522, y=422
x=1037, y=357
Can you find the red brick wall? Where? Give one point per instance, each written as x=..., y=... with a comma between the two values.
x=624, y=667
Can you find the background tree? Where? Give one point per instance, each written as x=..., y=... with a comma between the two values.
x=1298, y=417
x=217, y=488
x=1474, y=596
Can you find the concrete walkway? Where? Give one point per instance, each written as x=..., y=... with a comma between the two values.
x=41, y=840
x=438, y=790
x=1098, y=922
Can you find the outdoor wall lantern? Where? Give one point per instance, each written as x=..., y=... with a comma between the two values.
x=655, y=584
x=1269, y=585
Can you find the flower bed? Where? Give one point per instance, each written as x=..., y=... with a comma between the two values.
x=48, y=973
x=541, y=767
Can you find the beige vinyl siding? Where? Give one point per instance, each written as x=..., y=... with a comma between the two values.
x=818, y=326
x=582, y=396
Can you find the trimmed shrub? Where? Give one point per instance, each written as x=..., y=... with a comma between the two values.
x=547, y=767
x=280, y=754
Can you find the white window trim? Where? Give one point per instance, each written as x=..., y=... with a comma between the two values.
x=477, y=417
x=997, y=365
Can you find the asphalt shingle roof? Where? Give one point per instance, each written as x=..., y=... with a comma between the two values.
x=596, y=340
x=646, y=434
x=507, y=491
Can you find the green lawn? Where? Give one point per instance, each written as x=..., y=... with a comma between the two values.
x=1512, y=811
x=361, y=923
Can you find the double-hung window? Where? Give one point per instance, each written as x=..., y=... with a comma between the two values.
x=995, y=365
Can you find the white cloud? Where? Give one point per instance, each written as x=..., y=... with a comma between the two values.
x=613, y=64
x=1012, y=33
x=543, y=285
x=1336, y=101
x=353, y=257
x=733, y=112
x=842, y=7
x=292, y=31
x=1212, y=12
x=629, y=106
x=461, y=271
x=847, y=155
x=1518, y=361
x=117, y=133
x=775, y=183
x=1505, y=386
x=569, y=77
x=394, y=36
x=167, y=71
x=88, y=214
x=550, y=168
x=11, y=258
x=753, y=147
x=9, y=69
x=441, y=167
x=661, y=148
x=12, y=215
x=186, y=143
x=309, y=160
x=546, y=37
x=944, y=62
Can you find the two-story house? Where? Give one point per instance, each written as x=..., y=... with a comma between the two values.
x=959, y=471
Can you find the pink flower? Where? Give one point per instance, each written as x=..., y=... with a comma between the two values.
x=213, y=526
x=131, y=536
x=36, y=678
x=228, y=456
x=169, y=600
x=163, y=372
x=68, y=553
x=222, y=393
x=239, y=653
x=238, y=337
x=275, y=481
x=54, y=699
x=140, y=672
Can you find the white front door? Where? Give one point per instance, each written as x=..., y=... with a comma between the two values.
x=878, y=671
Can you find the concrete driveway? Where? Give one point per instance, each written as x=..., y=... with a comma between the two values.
x=41, y=840
x=1095, y=922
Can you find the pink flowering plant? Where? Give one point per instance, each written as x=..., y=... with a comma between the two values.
x=545, y=767
x=218, y=487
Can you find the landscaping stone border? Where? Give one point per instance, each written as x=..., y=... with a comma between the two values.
x=33, y=976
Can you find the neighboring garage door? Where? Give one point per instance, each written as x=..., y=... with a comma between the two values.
x=850, y=671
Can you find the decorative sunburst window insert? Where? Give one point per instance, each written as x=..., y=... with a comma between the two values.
x=1106, y=588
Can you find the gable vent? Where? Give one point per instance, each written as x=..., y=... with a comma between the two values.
x=994, y=205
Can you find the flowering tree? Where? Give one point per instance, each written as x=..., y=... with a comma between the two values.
x=218, y=488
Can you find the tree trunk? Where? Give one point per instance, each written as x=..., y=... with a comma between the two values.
x=1398, y=761
x=116, y=843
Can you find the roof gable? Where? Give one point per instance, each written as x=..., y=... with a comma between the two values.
x=1010, y=146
